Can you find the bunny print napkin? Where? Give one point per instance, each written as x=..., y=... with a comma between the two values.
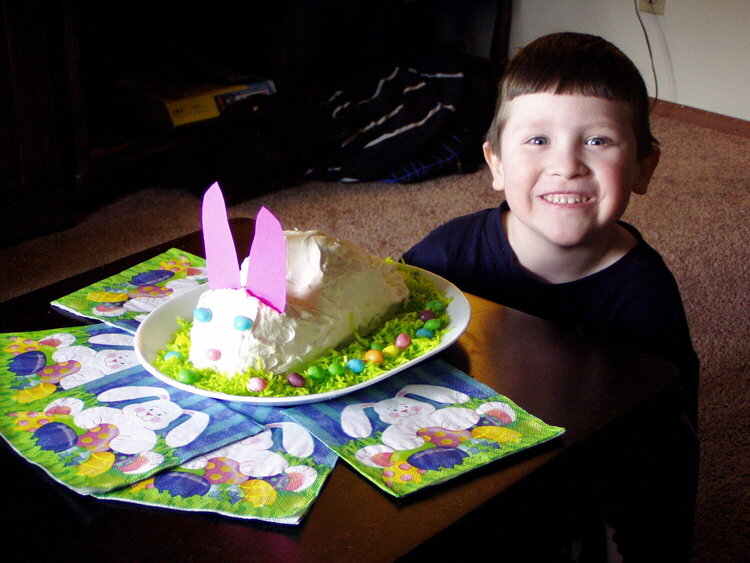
x=274, y=475
x=124, y=300
x=76, y=403
x=421, y=427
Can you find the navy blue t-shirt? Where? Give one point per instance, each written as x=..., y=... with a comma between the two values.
x=635, y=301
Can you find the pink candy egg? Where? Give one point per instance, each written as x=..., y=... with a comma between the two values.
x=403, y=340
x=256, y=384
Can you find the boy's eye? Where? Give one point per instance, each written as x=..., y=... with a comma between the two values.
x=595, y=141
x=538, y=141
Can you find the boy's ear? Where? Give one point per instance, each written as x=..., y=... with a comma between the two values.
x=493, y=161
x=646, y=170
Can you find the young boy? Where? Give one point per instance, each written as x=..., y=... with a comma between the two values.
x=569, y=143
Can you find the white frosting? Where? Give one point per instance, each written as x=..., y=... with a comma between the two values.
x=333, y=288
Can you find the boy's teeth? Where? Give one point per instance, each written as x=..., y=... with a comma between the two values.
x=566, y=198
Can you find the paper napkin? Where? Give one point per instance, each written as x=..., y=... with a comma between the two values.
x=423, y=426
x=274, y=475
x=76, y=403
x=124, y=300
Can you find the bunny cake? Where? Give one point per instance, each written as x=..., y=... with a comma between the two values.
x=234, y=330
x=271, y=326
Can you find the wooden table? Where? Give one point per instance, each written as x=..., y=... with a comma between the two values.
x=517, y=506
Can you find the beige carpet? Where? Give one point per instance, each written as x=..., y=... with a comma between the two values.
x=696, y=213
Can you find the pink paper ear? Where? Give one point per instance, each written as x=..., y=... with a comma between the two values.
x=266, y=272
x=221, y=256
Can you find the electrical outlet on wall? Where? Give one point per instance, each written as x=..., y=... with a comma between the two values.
x=652, y=6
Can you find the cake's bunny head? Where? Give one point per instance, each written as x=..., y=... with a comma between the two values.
x=227, y=313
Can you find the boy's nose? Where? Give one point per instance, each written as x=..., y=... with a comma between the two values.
x=566, y=162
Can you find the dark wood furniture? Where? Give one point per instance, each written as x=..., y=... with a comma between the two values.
x=517, y=508
x=69, y=139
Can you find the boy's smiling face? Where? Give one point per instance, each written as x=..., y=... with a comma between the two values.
x=567, y=164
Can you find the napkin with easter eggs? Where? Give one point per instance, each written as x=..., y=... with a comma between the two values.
x=76, y=403
x=422, y=426
x=124, y=300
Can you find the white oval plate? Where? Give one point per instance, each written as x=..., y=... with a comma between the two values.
x=157, y=329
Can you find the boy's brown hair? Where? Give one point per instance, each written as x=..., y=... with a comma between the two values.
x=580, y=64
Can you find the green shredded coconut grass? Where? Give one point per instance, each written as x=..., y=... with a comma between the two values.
x=421, y=292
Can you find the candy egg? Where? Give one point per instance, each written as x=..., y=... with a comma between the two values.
x=390, y=351
x=403, y=340
x=432, y=324
x=437, y=458
x=374, y=356
x=316, y=373
x=376, y=346
x=424, y=333
x=213, y=354
x=172, y=355
x=426, y=315
x=242, y=323
x=181, y=484
x=295, y=379
x=356, y=365
x=187, y=376
x=435, y=305
x=336, y=369
x=203, y=314
x=256, y=384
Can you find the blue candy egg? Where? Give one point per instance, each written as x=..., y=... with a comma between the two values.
x=181, y=484
x=28, y=363
x=203, y=315
x=55, y=436
x=356, y=365
x=425, y=333
x=437, y=458
x=152, y=277
x=242, y=322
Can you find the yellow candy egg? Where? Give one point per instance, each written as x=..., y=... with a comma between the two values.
x=390, y=351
